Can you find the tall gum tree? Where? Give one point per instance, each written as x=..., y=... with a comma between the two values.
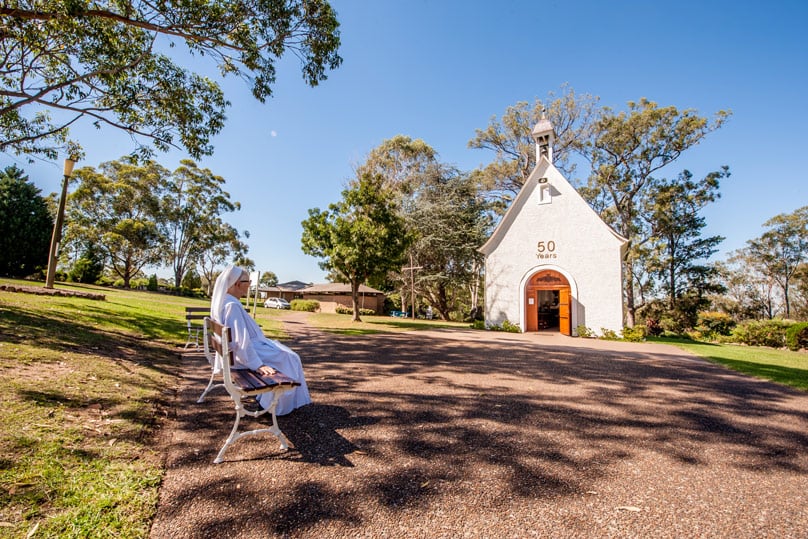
x=780, y=251
x=509, y=138
x=625, y=150
x=192, y=198
x=446, y=216
x=118, y=209
x=116, y=64
x=678, y=251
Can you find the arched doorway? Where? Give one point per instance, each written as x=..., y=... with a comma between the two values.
x=547, y=302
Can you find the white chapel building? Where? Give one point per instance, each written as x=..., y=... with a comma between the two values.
x=552, y=264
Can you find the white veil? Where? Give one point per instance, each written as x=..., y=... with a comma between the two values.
x=224, y=281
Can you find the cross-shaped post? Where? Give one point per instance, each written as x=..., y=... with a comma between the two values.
x=412, y=269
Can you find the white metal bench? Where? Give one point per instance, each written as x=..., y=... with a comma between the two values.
x=244, y=384
x=193, y=319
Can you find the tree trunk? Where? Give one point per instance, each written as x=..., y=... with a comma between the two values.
x=355, y=300
x=442, y=303
x=629, y=284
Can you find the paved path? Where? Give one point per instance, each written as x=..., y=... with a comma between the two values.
x=478, y=434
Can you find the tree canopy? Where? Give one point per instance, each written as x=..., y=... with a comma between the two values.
x=360, y=236
x=116, y=64
x=514, y=149
x=193, y=198
x=26, y=225
x=779, y=252
x=118, y=209
x=678, y=252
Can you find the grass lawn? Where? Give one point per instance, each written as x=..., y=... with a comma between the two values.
x=783, y=366
x=86, y=384
x=84, y=388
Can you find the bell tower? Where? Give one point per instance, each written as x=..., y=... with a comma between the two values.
x=543, y=136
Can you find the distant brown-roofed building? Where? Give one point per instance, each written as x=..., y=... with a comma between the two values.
x=332, y=294
x=287, y=291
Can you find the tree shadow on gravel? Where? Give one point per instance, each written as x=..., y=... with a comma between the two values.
x=404, y=424
x=666, y=403
x=312, y=430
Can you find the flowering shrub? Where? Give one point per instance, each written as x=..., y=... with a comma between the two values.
x=506, y=326
x=584, y=331
x=342, y=309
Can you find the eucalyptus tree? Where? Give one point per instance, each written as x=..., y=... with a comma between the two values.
x=360, y=236
x=402, y=163
x=121, y=64
x=514, y=149
x=219, y=244
x=268, y=278
x=748, y=294
x=117, y=208
x=780, y=250
x=625, y=150
x=447, y=217
x=192, y=198
x=26, y=225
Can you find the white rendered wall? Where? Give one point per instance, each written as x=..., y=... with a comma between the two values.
x=584, y=249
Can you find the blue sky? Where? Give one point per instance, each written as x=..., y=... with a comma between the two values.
x=438, y=70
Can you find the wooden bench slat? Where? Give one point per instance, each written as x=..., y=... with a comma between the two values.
x=252, y=381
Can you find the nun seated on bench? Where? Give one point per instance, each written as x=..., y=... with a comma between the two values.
x=250, y=347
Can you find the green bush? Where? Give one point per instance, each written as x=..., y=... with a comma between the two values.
x=506, y=326
x=797, y=336
x=510, y=328
x=308, y=305
x=584, y=331
x=153, y=285
x=635, y=334
x=762, y=332
x=653, y=328
x=712, y=323
x=478, y=324
x=342, y=309
x=609, y=335
x=670, y=325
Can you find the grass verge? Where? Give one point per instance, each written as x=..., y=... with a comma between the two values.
x=782, y=366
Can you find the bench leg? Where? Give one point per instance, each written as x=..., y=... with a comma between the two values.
x=193, y=339
x=211, y=385
x=241, y=412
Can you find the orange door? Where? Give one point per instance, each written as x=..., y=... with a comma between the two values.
x=564, y=311
x=532, y=311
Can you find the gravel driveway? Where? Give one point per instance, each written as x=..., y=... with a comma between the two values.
x=479, y=434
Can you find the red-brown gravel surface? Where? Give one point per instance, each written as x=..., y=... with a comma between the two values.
x=478, y=434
